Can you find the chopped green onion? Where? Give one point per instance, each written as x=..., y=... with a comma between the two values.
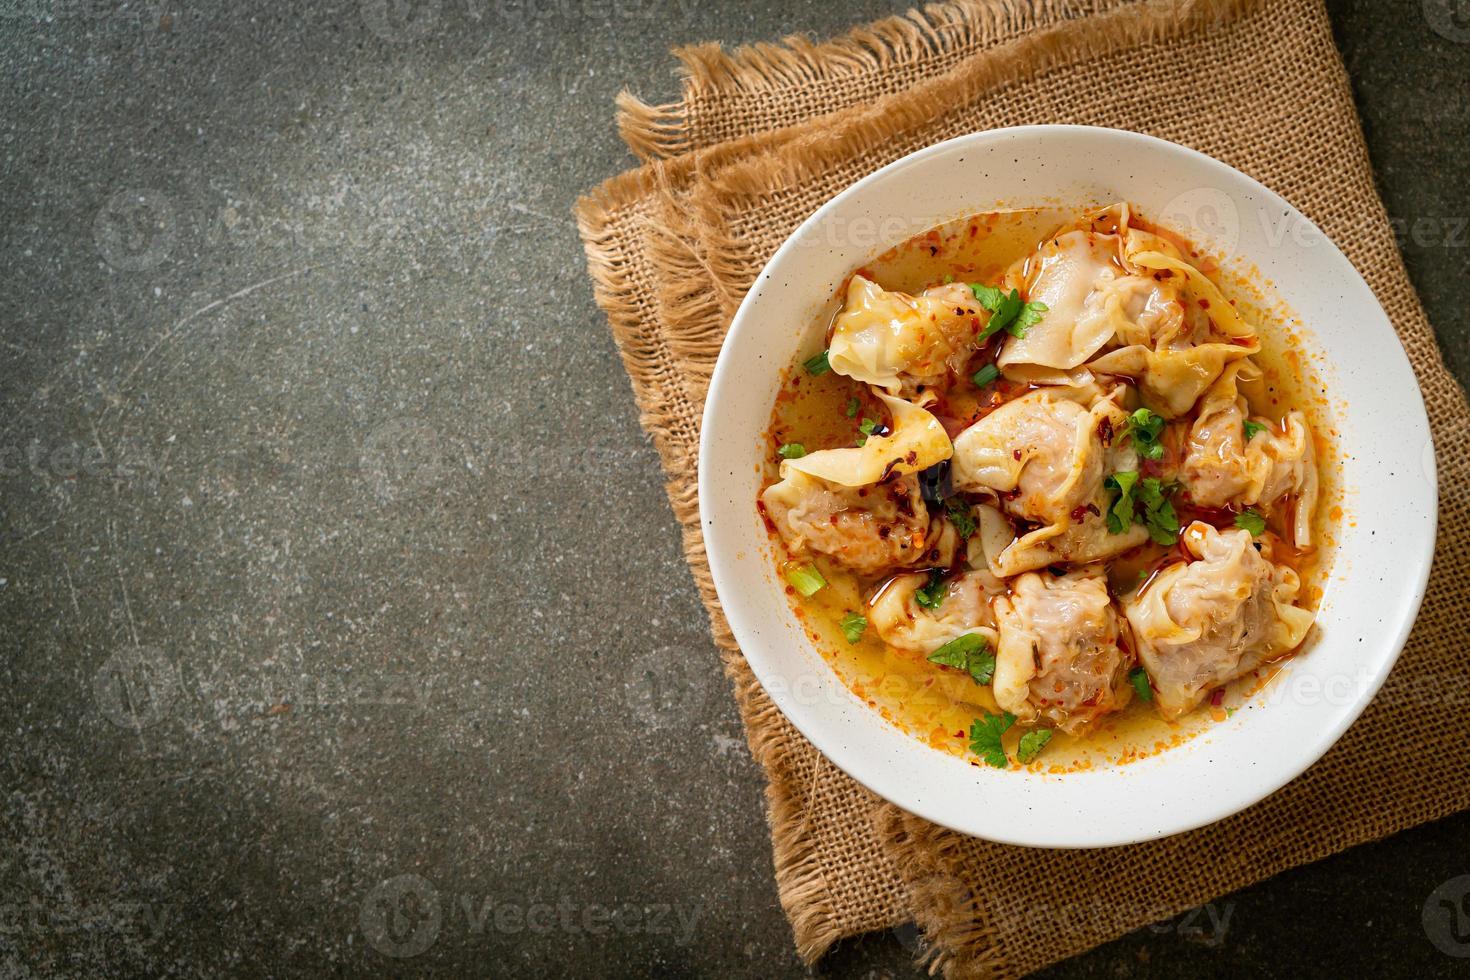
x=985, y=375
x=852, y=407
x=1138, y=677
x=853, y=626
x=1253, y=429
x=817, y=364
x=805, y=579
x=1251, y=521
x=791, y=450
x=1031, y=744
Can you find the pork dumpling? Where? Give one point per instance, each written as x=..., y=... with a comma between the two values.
x=1044, y=456
x=1203, y=623
x=1224, y=468
x=1041, y=453
x=1171, y=380
x=868, y=529
x=1058, y=658
x=904, y=624
x=895, y=341
x=1079, y=541
x=1073, y=272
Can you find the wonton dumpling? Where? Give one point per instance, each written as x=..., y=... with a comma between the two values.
x=905, y=625
x=1058, y=658
x=917, y=442
x=1080, y=542
x=1044, y=457
x=1203, y=623
x=891, y=339
x=1040, y=452
x=1224, y=469
x=1073, y=272
x=867, y=529
x=1171, y=380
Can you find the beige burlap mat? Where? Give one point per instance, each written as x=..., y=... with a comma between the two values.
x=765, y=135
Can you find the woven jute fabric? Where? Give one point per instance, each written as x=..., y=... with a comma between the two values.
x=761, y=139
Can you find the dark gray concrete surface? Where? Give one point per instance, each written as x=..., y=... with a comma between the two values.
x=343, y=625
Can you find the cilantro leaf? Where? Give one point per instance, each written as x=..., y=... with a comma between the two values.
x=971, y=653
x=960, y=516
x=985, y=733
x=1253, y=429
x=1144, y=427
x=1120, y=510
x=1138, y=677
x=931, y=595
x=1004, y=309
x=853, y=626
x=791, y=450
x=1029, y=316
x=1251, y=521
x=1031, y=744
x=985, y=375
x=817, y=364
x=1158, y=511
x=988, y=296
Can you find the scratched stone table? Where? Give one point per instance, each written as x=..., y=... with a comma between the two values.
x=343, y=623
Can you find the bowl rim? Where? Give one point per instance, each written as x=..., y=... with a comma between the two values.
x=1308, y=754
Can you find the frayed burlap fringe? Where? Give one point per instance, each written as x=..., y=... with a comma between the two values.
x=923, y=40
x=673, y=248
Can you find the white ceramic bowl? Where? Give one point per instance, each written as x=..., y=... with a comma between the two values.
x=1371, y=596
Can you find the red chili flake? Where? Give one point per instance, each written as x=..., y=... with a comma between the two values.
x=1105, y=431
x=1078, y=513
x=933, y=250
x=884, y=532
x=1016, y=454
x=1204, y=304
x=1217, y=697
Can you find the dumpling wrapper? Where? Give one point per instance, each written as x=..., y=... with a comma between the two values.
x=1201, y=624
x=885, y=338
x=1222, y=468
x=1171, y=381
x=917, y=442
x=868, y=531
x=1074, y=270
x=1058, y=657
x=905, y=625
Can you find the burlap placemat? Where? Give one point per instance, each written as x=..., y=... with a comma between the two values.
x=673, y=246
